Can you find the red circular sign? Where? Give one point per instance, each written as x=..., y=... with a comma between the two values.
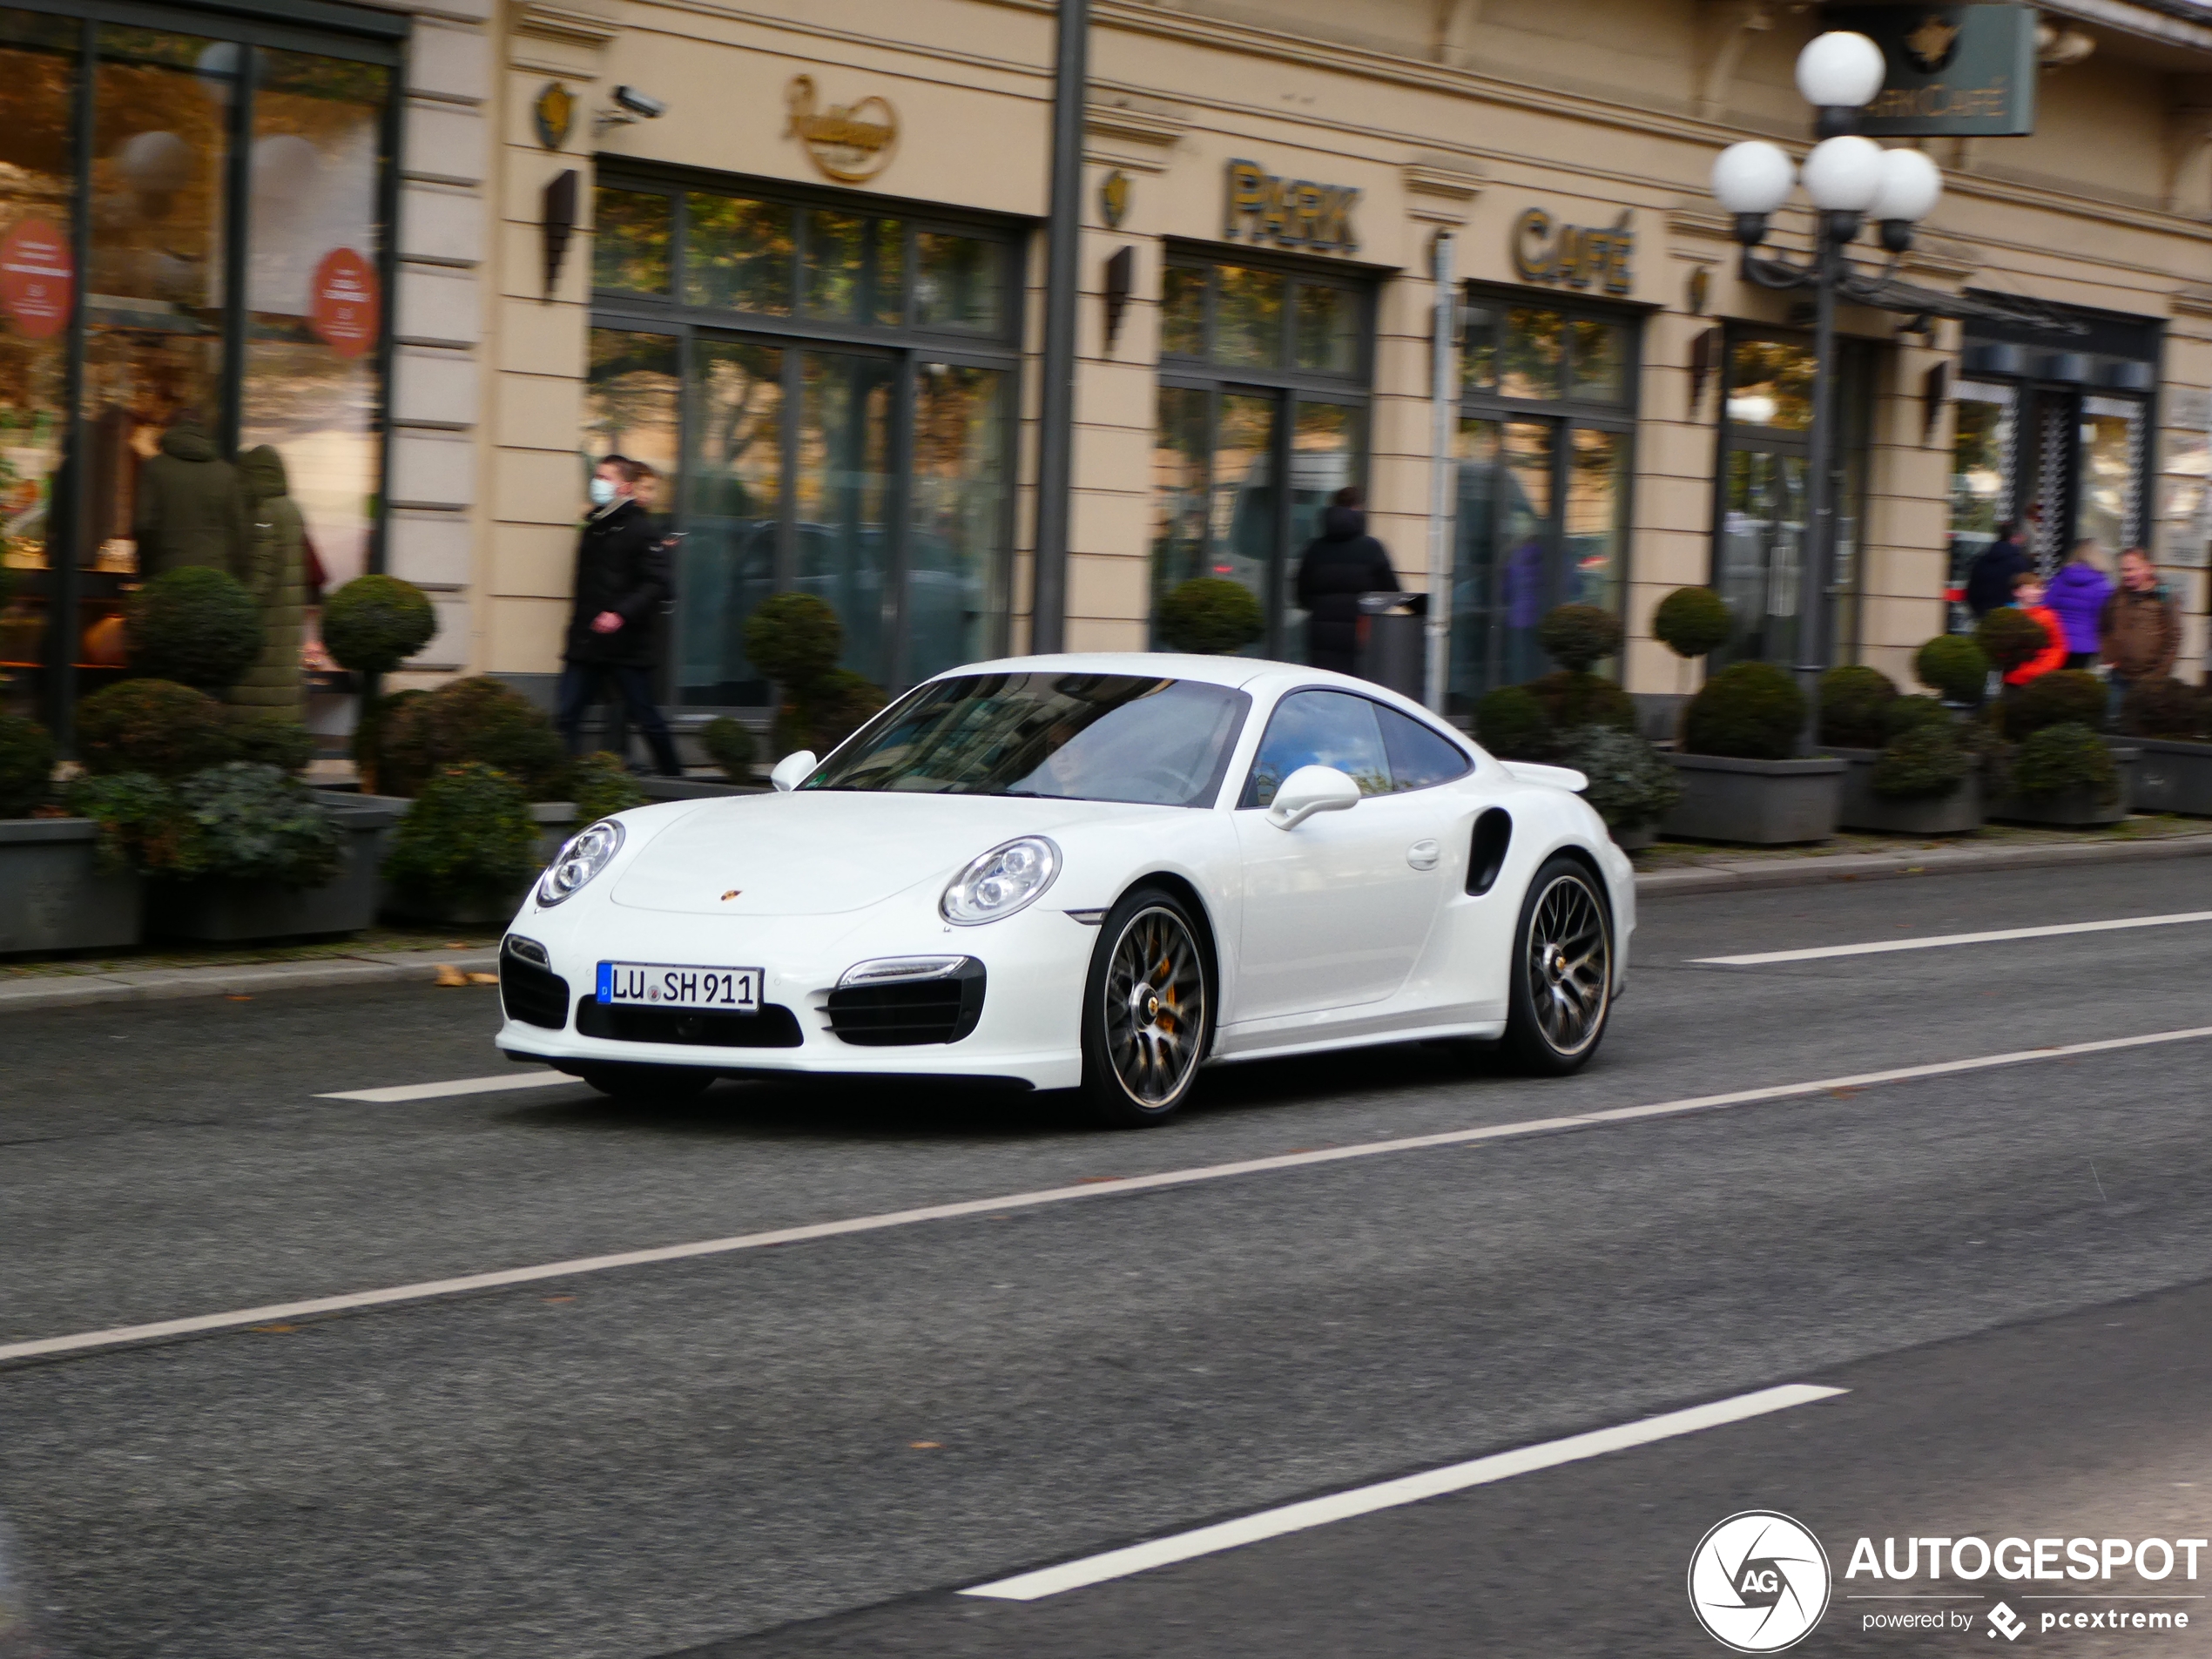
x=36, y=277
x=343, y=307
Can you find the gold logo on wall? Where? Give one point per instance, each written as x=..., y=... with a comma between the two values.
x=851, y=143
x=1113, y=199
x=1931, y=42
x=554, y=113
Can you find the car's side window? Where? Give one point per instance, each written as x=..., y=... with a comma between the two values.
x=1319, y=729
x=1419, y=758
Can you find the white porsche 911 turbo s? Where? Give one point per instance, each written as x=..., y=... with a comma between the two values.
x=1083, y=872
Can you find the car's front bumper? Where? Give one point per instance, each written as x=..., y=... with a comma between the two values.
x=1034, y=967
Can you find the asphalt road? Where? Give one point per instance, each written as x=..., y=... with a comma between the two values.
x=803, y=1449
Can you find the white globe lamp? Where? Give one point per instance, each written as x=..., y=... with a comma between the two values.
x=1753, y=177
x=1843, y=175
x=1840, y=71
x=1910, y=187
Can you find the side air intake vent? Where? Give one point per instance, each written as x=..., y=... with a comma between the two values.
x=1493, y=835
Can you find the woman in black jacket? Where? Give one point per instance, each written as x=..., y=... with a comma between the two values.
x=622, y=583
x=1338, y=566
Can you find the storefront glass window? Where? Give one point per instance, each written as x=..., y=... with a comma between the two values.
x=957, y=282
x=737, y=254
x=1771, y=385
x=1328, y=329
x=629, y=240
x=2185, y=504
x=1981, y=481
x=958, y=501
x=1534, y=355
x=2110, y=471
x=1248, y=317
x=732, y=501
x=1182, y=311
x=1600, y=361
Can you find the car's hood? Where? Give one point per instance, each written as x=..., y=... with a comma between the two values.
x=828, y=852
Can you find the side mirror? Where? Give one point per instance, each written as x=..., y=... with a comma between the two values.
x=1310, y=790
x=791, y=770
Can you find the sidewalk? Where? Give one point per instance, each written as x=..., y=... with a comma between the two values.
x=386, y=956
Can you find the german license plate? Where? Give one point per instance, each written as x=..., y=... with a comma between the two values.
x=667, y=985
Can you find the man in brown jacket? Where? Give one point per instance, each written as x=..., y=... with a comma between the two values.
x=2139, y=631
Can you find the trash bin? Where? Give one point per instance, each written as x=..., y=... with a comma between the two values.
x=1394, y=641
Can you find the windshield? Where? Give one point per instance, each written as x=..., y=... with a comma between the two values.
x=1061, y=736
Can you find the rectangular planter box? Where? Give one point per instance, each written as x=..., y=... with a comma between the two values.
x=2173, y=778
x=223, y=911
x=2078, y=809
x=53, y=895
x=1862, y=809
x=1763, y=803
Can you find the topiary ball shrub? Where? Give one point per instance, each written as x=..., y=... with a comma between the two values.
x=2166, y=708
x=1512, y=725
x=140, y=827
x=1209, y=614
x=468, y=841
x=833, y=708
x=2061, y=759
x=1953, y=666
x=2009, y=637
x=1920, y=762
x=155, y=726
x=197, y=626
x=601, y=786
x=794, y=639
x=1905, y=713
x=1630, y=784
x=1578, y=638
x=1573, y=698
x=1691, y=622
x=477, y=719
x=1749, y=710
x=272, y=740
x=1854, y=704
x=26, y=764
x=375, y=622
x=251, y=823
x=2065, y=696
x=731, y=745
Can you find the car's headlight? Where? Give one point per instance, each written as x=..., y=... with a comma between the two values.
x=581, y=858
x=1000, y=882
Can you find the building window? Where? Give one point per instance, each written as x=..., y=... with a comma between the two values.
x=1547, y=418
x=830, y=391
x=1263, y=378
x=1982, y=450
x=235, y=278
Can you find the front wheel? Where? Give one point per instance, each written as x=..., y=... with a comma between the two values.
x=1563, y=971
x=1148, y=1011
x=648, y=1085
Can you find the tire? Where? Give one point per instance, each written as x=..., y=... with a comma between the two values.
x=1148, y=1011
x=1562, y=994
x=648, y=1085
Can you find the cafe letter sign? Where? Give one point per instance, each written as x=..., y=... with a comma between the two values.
x=1575, y=255
x=1291, y=212
x=1960, y=70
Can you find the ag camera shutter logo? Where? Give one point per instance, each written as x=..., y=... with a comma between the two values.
x=1758, y=1581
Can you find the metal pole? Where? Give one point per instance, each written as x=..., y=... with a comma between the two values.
x=1063, y=248
x=1442, y=406
x=1820, y=547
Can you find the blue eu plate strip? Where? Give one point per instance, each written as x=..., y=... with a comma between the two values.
x=606, y=981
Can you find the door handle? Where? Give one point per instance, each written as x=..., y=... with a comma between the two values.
x=1423, y=855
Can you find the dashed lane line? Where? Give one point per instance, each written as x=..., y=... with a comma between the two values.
x=1882, y=946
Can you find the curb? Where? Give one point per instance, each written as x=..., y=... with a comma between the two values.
x=245, y=978
x=1814, y=869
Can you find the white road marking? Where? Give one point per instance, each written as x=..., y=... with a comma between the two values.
x=1391, y=1495
x=428, y=1289
x=505, y=1080
x=1877, y=947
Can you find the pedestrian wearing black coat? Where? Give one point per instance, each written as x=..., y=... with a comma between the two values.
x=1337, y=567
x=622, y=583
x=1989, y=578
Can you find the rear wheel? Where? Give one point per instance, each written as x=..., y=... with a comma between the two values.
x=1148, y=1011
x=1563, y=971
x=648, y=1085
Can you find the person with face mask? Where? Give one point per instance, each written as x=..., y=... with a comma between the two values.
x=621, y=582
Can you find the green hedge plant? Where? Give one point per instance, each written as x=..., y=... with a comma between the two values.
x=1920, y=762
x=2166, y=708
x=2061, y=759
x=26, y=766
x=272, y=740
x=1209, y=614
x=1631, y=783
x=2009, y=637
x=197, y=626
x=237, y=821
x=374, y=623
x=468, y=841
x=1692, y=621
x=601, y=786
x=1953, y=666
x=1906, y=713
x=730, y=744
x=795, y=639
x=473, y=719
x=1749, y=710
x=2065, y=696
x=155, y=726
x=1854, y=705
x=1512, y=725
x=1578, y=638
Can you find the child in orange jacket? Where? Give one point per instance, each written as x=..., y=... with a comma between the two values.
x=2027, y=595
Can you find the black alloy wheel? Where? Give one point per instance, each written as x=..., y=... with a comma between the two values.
x=648, y=1085
x=1562, y=994
x=1148, y=1011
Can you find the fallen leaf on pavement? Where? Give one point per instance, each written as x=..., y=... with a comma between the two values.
x=236, y=996
x=475, y=978
x=449, y=975
x=926, y=1445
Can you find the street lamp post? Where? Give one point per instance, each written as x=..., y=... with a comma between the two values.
x=1850, y=179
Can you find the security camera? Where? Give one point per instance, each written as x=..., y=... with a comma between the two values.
x=639, y=103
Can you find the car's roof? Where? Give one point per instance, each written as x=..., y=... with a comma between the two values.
x=1246, y=673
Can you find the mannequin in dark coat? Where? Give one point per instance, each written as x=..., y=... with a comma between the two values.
x=1338, y=566
x=621, y=582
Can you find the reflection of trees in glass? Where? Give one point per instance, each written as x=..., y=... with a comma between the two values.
x=957, y=514
x=1600, y=361
x=957, y=285
x=1327, y=332
x=1248, y=317
x=35, y=167
x=1479, y=350
x=1535, y=350
x=737, y=441
x=1182, y=311
x=1770, y=384
x=739, y=253
x=1242, y=520
x=1596, y=470
x=2108, y=480
x=630, y=240
x=836, y=259
x=1977, y=445
x=630, y=397
x=1179, y=447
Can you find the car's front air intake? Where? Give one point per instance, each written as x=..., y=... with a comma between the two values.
x=533, y=994
x=774, y=1027
x=908, y=1012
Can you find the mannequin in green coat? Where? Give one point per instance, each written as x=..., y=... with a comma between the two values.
x=276, y=574
x=189, y=510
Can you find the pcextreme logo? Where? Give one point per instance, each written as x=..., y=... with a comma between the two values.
x=1758, y=1581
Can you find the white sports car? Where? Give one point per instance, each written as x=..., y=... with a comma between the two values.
x=1083, y=872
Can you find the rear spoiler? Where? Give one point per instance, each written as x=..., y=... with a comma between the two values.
x=1558, y=777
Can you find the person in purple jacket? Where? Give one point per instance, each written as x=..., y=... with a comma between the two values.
x=2078, y=593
